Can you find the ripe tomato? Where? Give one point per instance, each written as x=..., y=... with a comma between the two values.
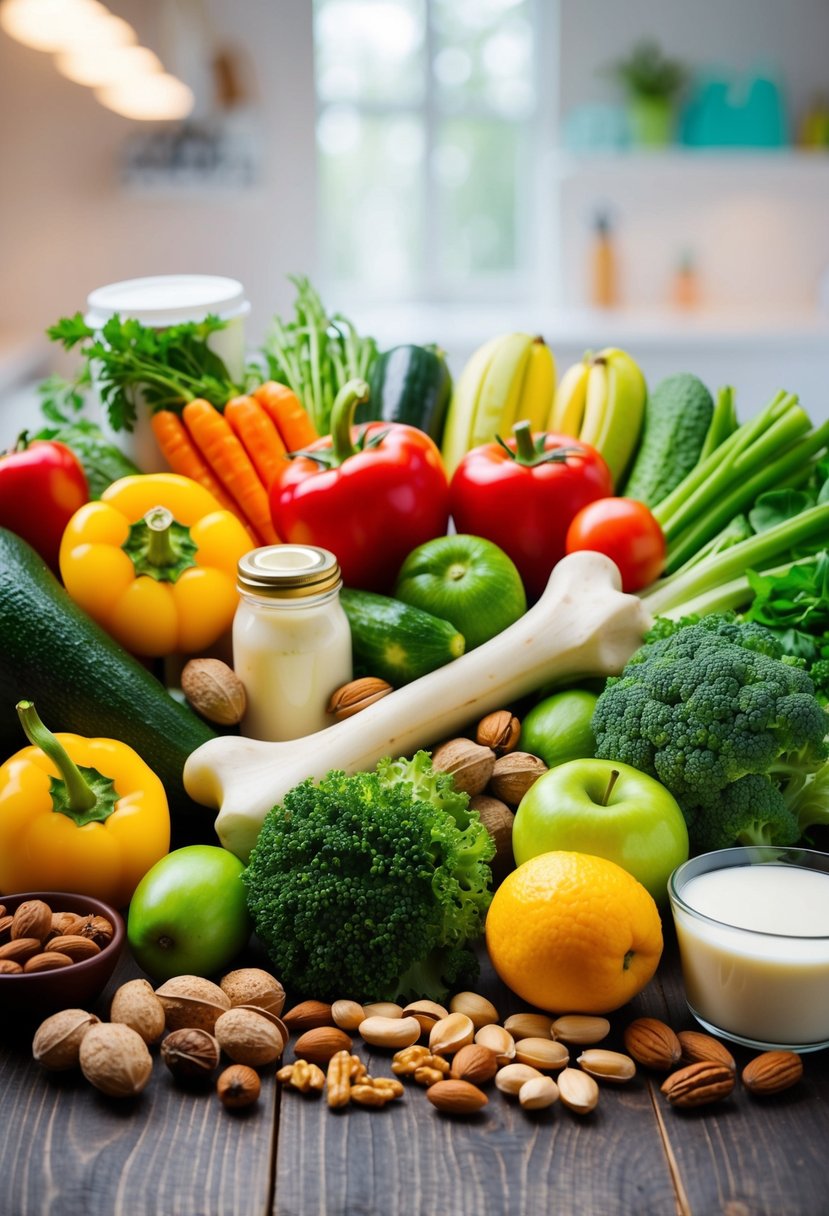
x=624, y=530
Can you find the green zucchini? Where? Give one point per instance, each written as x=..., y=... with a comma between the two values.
x=396, y=641
x=677, y=417
x=410, y=384
x=82, y=681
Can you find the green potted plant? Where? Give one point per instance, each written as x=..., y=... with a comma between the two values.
x=652, y=83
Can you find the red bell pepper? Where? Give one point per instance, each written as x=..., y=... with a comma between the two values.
x=42, y=484
x=369, y=493
x=522, y=494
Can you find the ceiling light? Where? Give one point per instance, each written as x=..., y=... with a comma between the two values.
x=98, y=66
x=51, y=25
x=155, y=98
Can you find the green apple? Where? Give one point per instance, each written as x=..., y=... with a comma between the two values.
x=466, y=580
x=558, y=728
x=580, y=808
x=189, y=913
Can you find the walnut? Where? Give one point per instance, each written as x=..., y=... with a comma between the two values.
x=214, y=691
x=58, y=1040
x=115, y=1059
x=189, y=1000
x=136, y=1005
x=190, y=1053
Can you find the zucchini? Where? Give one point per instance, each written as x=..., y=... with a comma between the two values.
x=409, y=384
x=82, y=681
x=396, y=641
x=677, y=417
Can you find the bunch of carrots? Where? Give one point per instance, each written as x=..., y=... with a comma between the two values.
x=236, y=452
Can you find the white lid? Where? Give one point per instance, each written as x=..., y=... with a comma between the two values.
x=167, y=300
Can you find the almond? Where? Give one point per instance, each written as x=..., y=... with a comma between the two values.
x=5, y=928
x=307, y=1016
x=33, y=918
x=9, y=967
x=319, y=1044
x=456, y=1097
x=48, y=960
x=697, y=1046
x=772, y=1072
x=474, y=1063
x=698, y=1084
x=653, y=1044
x=20, y=949
x=78, y=948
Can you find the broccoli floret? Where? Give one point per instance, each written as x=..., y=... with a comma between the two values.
x=710, y=704
x=373, y=884
x=749, y=811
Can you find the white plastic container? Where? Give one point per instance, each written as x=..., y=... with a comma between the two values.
x=291, y=640
x=158, y=302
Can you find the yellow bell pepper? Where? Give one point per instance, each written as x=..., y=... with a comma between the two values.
x=81, y=815
x=154, y=563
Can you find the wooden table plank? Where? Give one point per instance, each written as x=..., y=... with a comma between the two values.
x=69, y=1150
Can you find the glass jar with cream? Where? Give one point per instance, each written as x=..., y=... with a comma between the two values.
x=291, y=639
x=753, y=931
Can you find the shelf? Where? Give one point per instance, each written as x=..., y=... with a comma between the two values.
x=765, y=163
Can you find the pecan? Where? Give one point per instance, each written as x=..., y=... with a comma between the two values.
x=698, y=1084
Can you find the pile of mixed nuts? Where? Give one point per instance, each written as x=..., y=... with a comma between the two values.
x=34, y=938
x=454, y=1052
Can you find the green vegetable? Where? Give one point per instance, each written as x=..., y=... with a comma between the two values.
x=723, y=422
x=731, y=729
x=83, y=681
x=374, y=884
x=774, y=450
x=397, y=641
x=165, y=368
x=410, y=384
x=316, y=354
x=677, y=418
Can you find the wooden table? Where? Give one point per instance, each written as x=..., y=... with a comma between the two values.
x=67, y=1150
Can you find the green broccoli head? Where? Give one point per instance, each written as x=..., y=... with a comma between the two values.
x=751, y=810
x=372, y=884
x=707, y=705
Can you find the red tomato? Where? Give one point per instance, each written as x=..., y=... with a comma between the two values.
x=42, y=485
x=624, y=530
x=522, y=495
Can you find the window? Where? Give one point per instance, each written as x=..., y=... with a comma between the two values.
x=425, y=120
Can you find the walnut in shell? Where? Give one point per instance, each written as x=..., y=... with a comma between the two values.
x=136, y=1005
x=115, y=1059
x=189, y=1000
x=253, y=986
x=470, y=764
x=190, y=1053
x=57, y=1040
x=248, y=1037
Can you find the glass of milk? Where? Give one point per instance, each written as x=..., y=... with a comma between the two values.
x=753, y=931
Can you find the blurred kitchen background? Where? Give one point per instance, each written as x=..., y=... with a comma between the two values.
x=626, y=172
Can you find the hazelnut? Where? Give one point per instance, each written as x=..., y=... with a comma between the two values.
x=136, y=1005
x=238, y=1086
x=470, y=764
x=253, y=986
x=214, y=691
x=115, y=1059
x=58, y=1039
x=189, y=1000
x=190, y=1053
x=248, y=1037
x=512, y=776
x=498, y=820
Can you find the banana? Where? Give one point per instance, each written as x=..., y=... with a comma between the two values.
x=486, y=396
x=461, y=412
x=539, y=386
x=565, y=418
x=614, y=408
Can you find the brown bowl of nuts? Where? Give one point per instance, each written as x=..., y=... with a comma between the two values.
x=57, y=950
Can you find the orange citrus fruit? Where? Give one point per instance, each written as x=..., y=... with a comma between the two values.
x=572, y=933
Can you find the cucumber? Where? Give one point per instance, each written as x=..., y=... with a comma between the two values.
x=677, y=417
x=396, y=641
x=410, y=384
x=82, y=681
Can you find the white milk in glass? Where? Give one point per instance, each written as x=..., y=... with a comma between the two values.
x=770, y=984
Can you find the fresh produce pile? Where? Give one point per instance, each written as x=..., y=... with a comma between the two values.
x=590, y=633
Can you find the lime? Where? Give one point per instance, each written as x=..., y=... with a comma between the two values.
x=466, y=580
x=558, y=728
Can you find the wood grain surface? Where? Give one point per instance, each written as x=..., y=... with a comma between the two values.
x=69, y=1151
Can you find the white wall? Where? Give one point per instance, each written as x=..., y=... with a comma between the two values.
x=66, y=226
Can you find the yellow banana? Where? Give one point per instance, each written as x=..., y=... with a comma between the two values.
x=539, y=386
x=565, y=418
x=615, y=407
x=461, y=413
x=500, y=394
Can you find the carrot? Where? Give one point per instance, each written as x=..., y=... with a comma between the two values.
x=214, y=438
x=288, y=413
x=183, y=457
x=258, y=435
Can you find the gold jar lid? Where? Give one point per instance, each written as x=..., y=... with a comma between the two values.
x=288, y=571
